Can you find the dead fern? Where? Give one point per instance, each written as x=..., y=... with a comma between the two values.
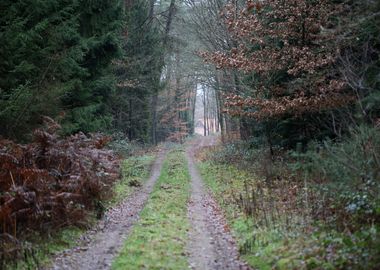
x=51, y=183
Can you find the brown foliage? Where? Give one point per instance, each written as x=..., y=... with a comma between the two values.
x=291, y=40
x=52, y=182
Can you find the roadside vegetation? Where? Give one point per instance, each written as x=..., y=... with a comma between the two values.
x=51, y=184
x=159, y=238
x=135, y=171
x=53, y=189
x=38, y=248
x=305, y=210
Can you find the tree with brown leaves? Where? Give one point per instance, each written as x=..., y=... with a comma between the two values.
x=287, y=46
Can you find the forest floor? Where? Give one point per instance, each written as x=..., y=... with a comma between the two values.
x=206, y=243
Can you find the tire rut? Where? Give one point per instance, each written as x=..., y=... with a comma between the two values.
x=99, y=246
x=211, y=244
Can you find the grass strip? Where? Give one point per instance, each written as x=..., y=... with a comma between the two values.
x=135, y=171
x=159, y=239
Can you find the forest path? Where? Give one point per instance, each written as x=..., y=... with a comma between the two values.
x=101, y=245
x=211, y=245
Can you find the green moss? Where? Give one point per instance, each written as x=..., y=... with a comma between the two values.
x=158, y=240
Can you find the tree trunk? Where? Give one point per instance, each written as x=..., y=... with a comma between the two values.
x=154, y=117
x=162, y=59
x=204, y=112
x=151, y=9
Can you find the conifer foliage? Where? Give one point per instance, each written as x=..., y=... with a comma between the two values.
x=138, y=74
x=54, y=59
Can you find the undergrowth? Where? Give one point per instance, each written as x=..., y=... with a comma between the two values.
x=317, y=209
x=50, y=184
x=126, y=148
x=39, y=247
x=158, y=240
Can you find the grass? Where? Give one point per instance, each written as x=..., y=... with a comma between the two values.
x=44, y=247
x=135, y=171
x=259, y=245
x=226, y=182
x=268, y=247
x=158, y=240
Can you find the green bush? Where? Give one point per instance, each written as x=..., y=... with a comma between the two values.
x=348, y=172
x=124, y=147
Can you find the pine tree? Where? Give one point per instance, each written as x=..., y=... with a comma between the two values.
x=138, y=73
x=100, y=25
x=54, y=60
x=40, y=55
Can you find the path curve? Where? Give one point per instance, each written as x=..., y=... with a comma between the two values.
x=99, y=247
x=211, y=244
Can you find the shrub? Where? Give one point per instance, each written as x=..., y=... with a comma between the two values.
x=123, y=146
x=347, y=172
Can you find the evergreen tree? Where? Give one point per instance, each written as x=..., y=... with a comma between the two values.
x=100, y=25
x=138, y=74
x=40, y=54
x=54, y=60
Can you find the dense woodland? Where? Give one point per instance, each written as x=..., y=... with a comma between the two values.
x=291, y=87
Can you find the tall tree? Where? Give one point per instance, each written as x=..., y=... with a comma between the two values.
x=41, y=52
x=138, y=73
x=54, y=59
x=286, y=57
x=100, y=25
x=285, y=47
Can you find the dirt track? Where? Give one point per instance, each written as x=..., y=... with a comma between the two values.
x=211, y=245
x=99, y=246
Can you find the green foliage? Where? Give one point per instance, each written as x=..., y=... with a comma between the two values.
x=354, y=160
x=361, y=57
x=351, y=169
x=45, y=246
x=269, y=246
x=100, y=25
x=54, y=59
x=87, y=119
x=39, y=52
x=331, y=250
x=138, y=74
x=124, y=147
x=158, y=240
